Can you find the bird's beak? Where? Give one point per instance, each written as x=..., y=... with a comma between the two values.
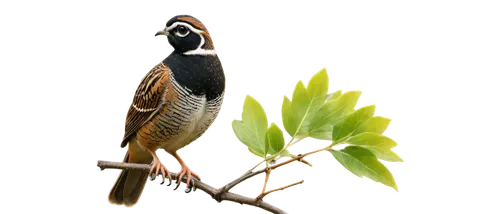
x=161, y=33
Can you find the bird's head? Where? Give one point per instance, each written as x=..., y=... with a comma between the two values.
x=188, y=36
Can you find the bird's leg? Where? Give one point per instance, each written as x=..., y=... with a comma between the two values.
x=158, y=167
x=185, y=171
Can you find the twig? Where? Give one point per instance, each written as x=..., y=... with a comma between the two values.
x=297, y=158
x=307, y=162
x=250, y=174
x=265, y=180
x=290, y=143
x=237, y=181
x=224, y=196
x=263, y=194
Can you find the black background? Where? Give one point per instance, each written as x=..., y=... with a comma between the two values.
x=369, y=53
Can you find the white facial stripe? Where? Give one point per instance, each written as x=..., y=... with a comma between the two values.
x=191, y=28
x=199, y=50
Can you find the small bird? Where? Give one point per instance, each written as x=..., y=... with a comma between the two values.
x=174, y=105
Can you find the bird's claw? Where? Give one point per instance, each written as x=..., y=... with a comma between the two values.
x=190, y=182
x=160, y=169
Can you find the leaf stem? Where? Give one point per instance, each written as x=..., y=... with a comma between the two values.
x=290, y=143
x=293, y=143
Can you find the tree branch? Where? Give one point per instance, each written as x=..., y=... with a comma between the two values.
x=240, y=179
x=224, y=196
x=250, y=174
x=263, y=194
x=266, y=180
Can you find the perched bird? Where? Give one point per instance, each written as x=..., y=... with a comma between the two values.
x=174, y=105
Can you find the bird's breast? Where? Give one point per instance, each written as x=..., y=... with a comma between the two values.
x=188, y=117
x=202, y=75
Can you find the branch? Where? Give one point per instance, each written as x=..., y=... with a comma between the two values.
x=223, y=196
x=266, y=179
x=240, y=179
x=250, y=174
x=290, y=161
x=263, y=194
x=292, y=142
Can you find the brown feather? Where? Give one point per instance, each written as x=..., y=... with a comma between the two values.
x=129, y=185
x=209, y=45
x=147, y=100
x=194, y=21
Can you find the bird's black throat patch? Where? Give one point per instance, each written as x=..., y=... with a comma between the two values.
x=202, y=74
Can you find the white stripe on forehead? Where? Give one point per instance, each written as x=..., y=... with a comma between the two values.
x=175, y=24
x=199, y=50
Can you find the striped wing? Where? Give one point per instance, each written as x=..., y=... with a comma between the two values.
x=147, y=100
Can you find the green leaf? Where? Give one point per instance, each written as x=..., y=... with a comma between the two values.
x=305, y=102
x=337, y=92
x=286, y=153
x=290, y=120
x=375, y=124
x=351, y=122
x=333, y=110
x=252, y=129
x=254, y=116
x=323, y=133
x=274, y=139
x=300, y=99
x=362, y=162
x=318, y=85
x=348, y=100
x=246, y=137
x=334, y=95
x=383, y=146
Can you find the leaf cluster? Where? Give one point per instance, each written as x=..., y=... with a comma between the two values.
x=315, y=113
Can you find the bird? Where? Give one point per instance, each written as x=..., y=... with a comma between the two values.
x=174, y=104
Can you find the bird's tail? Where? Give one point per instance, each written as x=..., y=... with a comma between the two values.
x=130, y=183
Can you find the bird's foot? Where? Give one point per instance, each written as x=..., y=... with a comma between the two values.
x=185, y=171
x=157, y=169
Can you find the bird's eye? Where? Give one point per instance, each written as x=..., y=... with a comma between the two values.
x=182, y=31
